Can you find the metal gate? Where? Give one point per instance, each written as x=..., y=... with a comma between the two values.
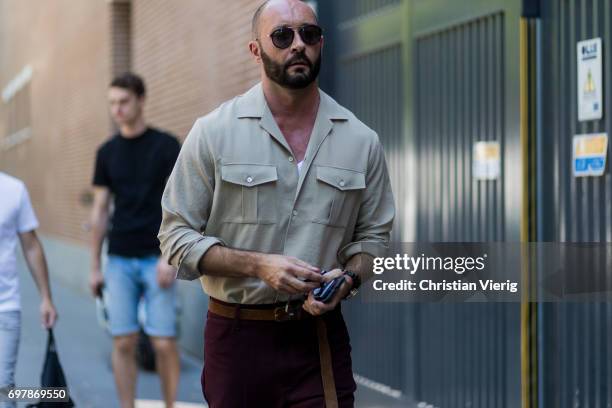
x=432, y=77
x=575, y=339
x=466, y=74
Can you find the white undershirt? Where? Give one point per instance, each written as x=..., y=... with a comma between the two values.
x=300, y=167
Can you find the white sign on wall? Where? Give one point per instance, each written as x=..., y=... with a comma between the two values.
x=486, y=160
x=590, y=84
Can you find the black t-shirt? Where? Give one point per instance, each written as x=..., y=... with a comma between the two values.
x=135, y=170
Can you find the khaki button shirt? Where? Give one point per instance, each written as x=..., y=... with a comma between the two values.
x=236, y=183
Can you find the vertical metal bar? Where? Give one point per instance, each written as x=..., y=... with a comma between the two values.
x=468, y=134
x=488, y=125
x=597, y=227
x=574, y=185
x=493, y=127
x=420, y=105
x=462, y=63
x=598, y=234
x=439, y=137
x=443, y=149
x=499, y=120
x=482, y=184
x=424, y=137
x=432, y=139
x=454, y=136
x=526, y=379
x=473, y=136
x=607, y=219
x=607, y=213
x=500, y=383
x=461, y=133
x=565, y=232
x=543, y=347
x=565, y=228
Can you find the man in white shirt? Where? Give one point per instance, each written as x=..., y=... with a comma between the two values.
x=18, y=221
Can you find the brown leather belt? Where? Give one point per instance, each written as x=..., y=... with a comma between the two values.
x=277, y=312
x=282, y=313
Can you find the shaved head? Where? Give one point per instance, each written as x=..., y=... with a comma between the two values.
x=294, y=63
x=270, y=4
x=255, y=22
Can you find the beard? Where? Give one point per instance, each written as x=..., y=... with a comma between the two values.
x=279, y=72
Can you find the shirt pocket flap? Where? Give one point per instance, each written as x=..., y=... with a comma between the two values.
x=248, y=175
x=342, y=179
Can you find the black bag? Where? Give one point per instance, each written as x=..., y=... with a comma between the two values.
x=145, y=354
x=52, y=376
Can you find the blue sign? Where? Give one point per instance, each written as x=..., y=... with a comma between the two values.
x=589, y=154
x=589, y=164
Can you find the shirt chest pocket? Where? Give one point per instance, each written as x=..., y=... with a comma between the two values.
x=249, y=193
x=340, y=194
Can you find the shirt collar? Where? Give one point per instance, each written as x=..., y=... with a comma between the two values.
x=253, y=104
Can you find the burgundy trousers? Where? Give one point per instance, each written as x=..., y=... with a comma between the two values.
x=267, y=364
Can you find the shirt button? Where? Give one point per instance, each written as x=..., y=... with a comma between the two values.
x=295, y=213
x=342, y=183
x=249, y=179
x=291, y=159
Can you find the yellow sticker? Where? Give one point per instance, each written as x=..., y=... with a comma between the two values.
x=589, y=154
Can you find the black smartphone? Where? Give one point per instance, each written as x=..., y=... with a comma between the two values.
x=327, y=290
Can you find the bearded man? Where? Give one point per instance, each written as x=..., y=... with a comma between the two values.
x=269, y=190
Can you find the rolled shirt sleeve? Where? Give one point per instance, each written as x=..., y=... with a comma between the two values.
x=376, y=213
x=186, y=205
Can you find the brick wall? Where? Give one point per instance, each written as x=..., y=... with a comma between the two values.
x=120, y=32
x=66, y=44
x=193, y=55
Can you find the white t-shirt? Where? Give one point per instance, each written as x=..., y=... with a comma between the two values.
x=16, y=216
x=300, y=166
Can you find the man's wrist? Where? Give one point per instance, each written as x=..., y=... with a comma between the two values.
x=253, y=264
x=355, y=280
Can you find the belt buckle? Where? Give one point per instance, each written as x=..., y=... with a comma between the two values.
x=287, y=313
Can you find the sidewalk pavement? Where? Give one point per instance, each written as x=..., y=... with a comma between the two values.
x=84, y=350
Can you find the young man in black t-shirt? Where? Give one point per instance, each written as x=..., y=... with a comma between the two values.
x=132, y=168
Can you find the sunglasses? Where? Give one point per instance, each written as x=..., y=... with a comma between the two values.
x=283, y=36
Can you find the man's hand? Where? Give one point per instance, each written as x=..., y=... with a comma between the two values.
x=166, y=273
x=96, y=282
x=99, y=224
x=288, y=274
x=316, y=308
x=48, y=314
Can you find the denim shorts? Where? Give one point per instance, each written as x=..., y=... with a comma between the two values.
x=126, y=281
